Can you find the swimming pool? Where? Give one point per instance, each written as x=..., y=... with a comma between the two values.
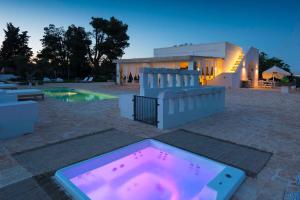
x=150, y=170
x=75, y=95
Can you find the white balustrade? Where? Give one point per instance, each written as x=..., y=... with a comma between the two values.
x=180, y=107
x=171, y=79
x=180, y=97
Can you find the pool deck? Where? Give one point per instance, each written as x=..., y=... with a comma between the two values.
x=265, y=120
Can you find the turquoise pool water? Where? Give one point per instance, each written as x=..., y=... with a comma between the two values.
x=75, y=95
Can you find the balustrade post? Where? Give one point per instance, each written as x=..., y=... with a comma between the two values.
x=181, y=80
x=188, y=80
x=174, y=81
x=155, y=80
x=150, y=80
x=195, y=80
x=191, y=65
x=144, y=80
x=163, y=80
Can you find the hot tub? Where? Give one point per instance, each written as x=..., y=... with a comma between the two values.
x=150, y=170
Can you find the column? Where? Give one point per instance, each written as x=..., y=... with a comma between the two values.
x=202, y=65
x=255, y=80
x=205, y=73
x=191, y=65
x=118, y=75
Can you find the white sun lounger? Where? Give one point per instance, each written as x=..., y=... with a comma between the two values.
x=27, y=93
x=85, y=80
x=90, y=79
x=60, y=80
x=8, y=86
x=46, y=80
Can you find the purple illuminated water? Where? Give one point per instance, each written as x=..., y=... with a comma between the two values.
x=148, y=174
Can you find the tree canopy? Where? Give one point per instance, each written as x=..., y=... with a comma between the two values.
x=14, y=50
x=110, y=39
x=54, y=50
x=77, y=42
x=78, y=53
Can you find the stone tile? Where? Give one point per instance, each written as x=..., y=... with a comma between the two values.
x=23, y=190
x=13, y=175
x=267, y=120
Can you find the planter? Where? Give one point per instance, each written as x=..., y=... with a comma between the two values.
x=293, y=88
x=284, y=89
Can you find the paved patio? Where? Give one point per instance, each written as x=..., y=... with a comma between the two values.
x=266, y=120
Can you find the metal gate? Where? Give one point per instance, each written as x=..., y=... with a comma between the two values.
x=145, y=109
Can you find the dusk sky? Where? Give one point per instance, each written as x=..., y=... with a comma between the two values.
x=271, y=26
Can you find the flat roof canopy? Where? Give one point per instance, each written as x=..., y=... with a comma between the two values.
x=160, y=59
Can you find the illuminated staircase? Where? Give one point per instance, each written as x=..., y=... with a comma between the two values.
x=237, y=63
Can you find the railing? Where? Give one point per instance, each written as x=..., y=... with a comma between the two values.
x=145, y=109
x=155, y=80
x=298, y=83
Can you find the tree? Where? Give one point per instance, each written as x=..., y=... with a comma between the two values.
x=14, y=50
x=54, y=50
x=265, y=63
x=42, y=68
x=110, y=40
x=77, y=43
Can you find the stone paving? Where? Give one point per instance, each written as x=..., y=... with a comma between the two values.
x=266, y=120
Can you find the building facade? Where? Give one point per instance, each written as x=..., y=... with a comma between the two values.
x=222, y=63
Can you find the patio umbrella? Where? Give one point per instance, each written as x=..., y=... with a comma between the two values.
x=275, y=72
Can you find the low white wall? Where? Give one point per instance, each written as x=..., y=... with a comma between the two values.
x=126, y=105
x=180, y=107
x=228, y=80
x=17, y=118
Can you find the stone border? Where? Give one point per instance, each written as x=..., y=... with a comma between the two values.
x=221, y=157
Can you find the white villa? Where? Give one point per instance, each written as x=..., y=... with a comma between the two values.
x=222, y=63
